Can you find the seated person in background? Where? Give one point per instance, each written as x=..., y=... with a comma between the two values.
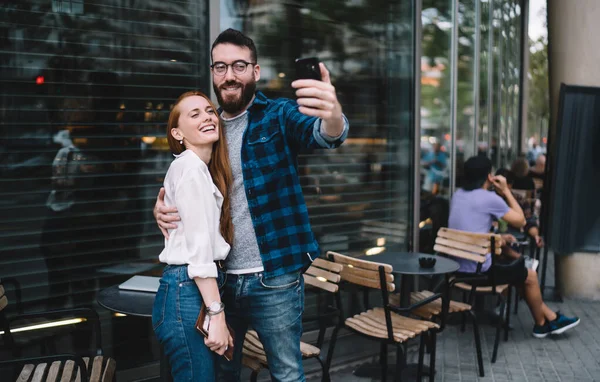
x=531, y=227
x=520, y=168
x=538, y=172
x=473, y=208
x=436, y=163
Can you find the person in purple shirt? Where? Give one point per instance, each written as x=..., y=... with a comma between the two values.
x=474, y=208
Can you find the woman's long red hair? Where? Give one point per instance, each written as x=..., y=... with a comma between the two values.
x=219, y=167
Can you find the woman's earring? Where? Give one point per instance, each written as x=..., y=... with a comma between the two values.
x=181, y=142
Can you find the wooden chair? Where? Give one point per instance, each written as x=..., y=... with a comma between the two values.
x=64, y=367
x=433, y=311
x=321, y=276
x=390, y=324
x=475, y=247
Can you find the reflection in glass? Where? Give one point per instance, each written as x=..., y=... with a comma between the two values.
x=465, y=131
x=84, y=96
x=435, y=97
x=358, y=195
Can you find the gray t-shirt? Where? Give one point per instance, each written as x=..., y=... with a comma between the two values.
x=244, y=256
x=474, y=211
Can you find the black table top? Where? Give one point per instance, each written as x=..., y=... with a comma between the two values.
x=128, y=302
x=407, y=263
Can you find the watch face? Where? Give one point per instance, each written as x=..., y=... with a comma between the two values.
x=214, y=306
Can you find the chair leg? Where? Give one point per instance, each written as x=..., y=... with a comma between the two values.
x=399, y=363
x=477, y=343
x=332, y=342
x=507, y=317
x=432, y=356
x=383, y=354
x=421, y=356
x=324, y=377
x=498, y=330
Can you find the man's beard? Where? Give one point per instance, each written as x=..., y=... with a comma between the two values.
x=235, y=105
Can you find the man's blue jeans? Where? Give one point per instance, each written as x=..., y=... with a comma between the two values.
x=273, y=307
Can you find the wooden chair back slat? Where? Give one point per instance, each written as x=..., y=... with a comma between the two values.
x=328, y=265
x=324, y=274
x=87, y=366
x=96, y=369
x=26, y=373
x=329, y=276
x=462, y=246
x=477, y=239
x=366, y=273
x=464, y=237
x=479, y=244
x=54, y=371
x=329, y=287
x=109, y=370
x=68, y=371
x=3, y=303
x=39, y=372
x=458, y=253
x=374, y=283
x=364, y=264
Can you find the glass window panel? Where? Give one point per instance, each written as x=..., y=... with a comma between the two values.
x=484, y=58
x=436, y=73
x=359, y=196
x=86, y=88
x=465, y=132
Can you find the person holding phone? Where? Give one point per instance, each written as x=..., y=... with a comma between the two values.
x=473, y=208
x=273, y=240
x=197, y=184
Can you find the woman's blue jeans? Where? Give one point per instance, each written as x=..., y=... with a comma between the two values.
x=176, y=308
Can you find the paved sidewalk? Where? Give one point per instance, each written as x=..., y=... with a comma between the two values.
x=573, y=356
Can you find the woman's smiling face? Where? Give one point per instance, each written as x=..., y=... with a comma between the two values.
x=198, y=123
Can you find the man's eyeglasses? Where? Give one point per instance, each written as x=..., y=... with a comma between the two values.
x=238, y=67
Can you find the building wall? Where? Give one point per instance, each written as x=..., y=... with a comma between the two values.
x=573, y=60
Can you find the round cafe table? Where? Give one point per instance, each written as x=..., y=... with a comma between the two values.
x=133, y=303
x=405, y=267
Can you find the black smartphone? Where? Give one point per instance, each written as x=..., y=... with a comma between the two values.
x=308, y=68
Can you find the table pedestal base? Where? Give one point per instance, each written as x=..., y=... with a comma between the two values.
x=373, y=370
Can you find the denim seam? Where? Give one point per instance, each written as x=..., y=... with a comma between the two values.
x=187, y=349
x=279, y=287
x=163, y=307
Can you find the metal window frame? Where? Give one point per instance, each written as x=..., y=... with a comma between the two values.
x=417, y=49
x=453, y=94
x=476, y=74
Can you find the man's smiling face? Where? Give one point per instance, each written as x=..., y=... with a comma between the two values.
x=234, y=91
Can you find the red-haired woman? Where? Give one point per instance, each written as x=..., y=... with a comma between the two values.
x=197, y=183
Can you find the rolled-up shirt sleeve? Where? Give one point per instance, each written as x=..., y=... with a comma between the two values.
x=325, y=140
x=198, y=211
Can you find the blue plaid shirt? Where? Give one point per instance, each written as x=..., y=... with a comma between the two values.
x=276, y=133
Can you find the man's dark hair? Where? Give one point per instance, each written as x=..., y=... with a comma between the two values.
x=477, y=169
x=509, y=175
x=235, y=37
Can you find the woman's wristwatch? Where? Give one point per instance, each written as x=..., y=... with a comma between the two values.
x=215, y=308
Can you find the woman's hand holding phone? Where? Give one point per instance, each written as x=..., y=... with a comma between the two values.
x=218, y=334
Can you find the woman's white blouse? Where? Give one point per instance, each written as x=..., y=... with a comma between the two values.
x=197, y=240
